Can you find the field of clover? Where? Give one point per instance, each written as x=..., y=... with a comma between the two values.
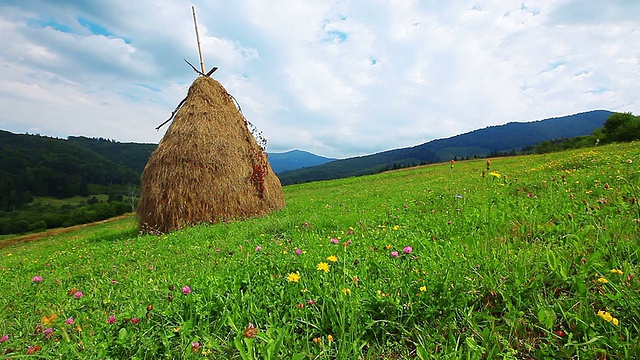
x=518, y=258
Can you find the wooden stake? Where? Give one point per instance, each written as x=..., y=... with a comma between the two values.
x=195, y=22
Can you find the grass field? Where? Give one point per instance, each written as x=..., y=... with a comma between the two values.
x=536, y=259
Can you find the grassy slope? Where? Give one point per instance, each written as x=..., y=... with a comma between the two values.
x=500, y=267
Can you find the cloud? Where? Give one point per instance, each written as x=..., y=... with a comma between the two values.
x=339, y=78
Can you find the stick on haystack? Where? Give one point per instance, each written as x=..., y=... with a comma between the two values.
x=207, y=168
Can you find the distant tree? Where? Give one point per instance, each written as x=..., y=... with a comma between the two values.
x=622, y=127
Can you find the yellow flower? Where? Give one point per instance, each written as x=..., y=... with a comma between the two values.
x=495, y=174
x=603, y=280
x=305, y=290
x=615, y=321
x=396, y=227
x=606, y=316
x=323, y=266
x=616, y=271
x=423, y=288
x=332, y=258
x=388, y=247
x=346, y=291
x=46, y=320
x=330, y=338
x=293, y=277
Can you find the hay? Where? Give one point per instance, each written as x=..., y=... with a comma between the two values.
x=207, y=168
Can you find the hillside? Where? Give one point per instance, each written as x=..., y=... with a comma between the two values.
x=537, y=260
x=295, y=159
x=33, y=165
x=482, y=142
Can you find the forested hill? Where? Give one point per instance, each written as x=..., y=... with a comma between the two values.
x=33, y=165
x=131, y=155
x=483, y=142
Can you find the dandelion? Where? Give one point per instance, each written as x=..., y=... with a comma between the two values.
x=70, y=321
x=394, y=254
x=602, y=280
x=4, y=338
x=293, y=277
x=616, y=271
x=111, y=320
x=37, y=279
x=186, y=290
x=407, y=250
x=323, y=266
x=335, y=241
x=332, y=258
x=346, y=291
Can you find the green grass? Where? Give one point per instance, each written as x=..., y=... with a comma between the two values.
x=516, y=265
x=49, y=200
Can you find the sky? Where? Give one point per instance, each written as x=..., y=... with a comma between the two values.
x=336, y=78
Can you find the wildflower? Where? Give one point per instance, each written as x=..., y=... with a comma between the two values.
x=113, y=282
x=605, y=315
x=4, y=338
x=186, y=290
x=330, y=338
x=258, y=248
x=394, y=254
x=332, y=258
x=251, y=331
x=195, y=347
x=335, y=241
x=388, y=247
x=323, y=266
x=111, y=320
x=423, y=288
x=602, y=280
x=346, y=291
x=298, y=251
x=33, y=349
x=355, y=279
x=615, y=321
x=317, y=340
x=46, y=320
x=616, y=271
x=396, y=227
x=48, y=332
x=300, y=305
x=70, y=321
x=407, y=250
x=37, y=279
x=495, y=174
x=305, y=290
x=293, y=277
x=135, y=320
x=310, y=302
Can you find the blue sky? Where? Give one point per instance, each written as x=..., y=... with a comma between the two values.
x=337, y=78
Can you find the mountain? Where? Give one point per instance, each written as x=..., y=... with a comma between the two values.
x=501, y=138
x=295, y=159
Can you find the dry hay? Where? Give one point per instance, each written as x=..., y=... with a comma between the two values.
x=207, y=168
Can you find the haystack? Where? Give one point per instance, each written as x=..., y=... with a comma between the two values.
x=207, y=168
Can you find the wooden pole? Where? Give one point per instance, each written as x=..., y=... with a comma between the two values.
x=195, y=22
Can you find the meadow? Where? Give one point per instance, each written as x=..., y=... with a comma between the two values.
x=527, y=257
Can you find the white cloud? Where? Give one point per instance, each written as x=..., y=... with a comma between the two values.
x=338, y=78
